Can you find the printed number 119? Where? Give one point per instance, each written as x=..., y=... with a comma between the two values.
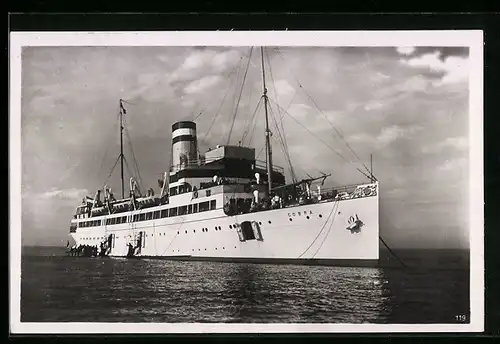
x=461, y=317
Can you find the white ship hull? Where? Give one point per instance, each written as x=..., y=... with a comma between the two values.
x=315, y=233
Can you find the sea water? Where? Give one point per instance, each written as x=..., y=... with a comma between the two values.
x=432, y=288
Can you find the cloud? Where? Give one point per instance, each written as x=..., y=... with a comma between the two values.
x=405, y=50
x=283, y=88
x=454, y=68
x=225, y=59
x=459, y=143
x=455, y=165
x=200, y=62
x=202, y=84
x=198, y=59
x=65, y=194
x=392, y=110
x=394, y=132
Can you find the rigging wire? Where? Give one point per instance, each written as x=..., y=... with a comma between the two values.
x=133, y=154
x=220, y=106
x=282, y=133
x=319, y=139
x=130, y=172
x=252, y=120
x=283, y=145
x=110, y=172
x=336, y=203
x=207, y=105
x=327, y=233
x=326, y=117
x=115, y=126
x=391, y=251
x=239, y=96
x=260, y=152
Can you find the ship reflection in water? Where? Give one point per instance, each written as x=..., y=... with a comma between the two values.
x=55, y=288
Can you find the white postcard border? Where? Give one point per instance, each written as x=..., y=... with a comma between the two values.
x=471, y=38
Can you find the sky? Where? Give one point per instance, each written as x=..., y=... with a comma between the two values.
x=406, y=106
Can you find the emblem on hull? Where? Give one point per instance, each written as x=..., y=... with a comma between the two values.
x=354, y=224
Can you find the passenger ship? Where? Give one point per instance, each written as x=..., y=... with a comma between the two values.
x=225, y=205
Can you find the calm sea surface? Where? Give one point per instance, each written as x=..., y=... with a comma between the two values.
x=434, y=288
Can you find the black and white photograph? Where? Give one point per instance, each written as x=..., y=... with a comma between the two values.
x=246, y=182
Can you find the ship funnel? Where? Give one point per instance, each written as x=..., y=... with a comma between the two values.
x=184, y=145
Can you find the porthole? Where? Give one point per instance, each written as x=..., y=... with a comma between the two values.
x=230, y=227
x=269, y=222
x=290, y=219
x=215, y=227
x=223, y=248
x=220, y=228
x=192, y=249
x=186, y=231
x=320, y=215
x=194, y=230
x=260, y=223
x=198, y=249
x=307, y=217
x=177, y=232
x=235, y=247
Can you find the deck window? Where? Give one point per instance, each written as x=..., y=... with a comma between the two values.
x=212, y=204
x=183, y=210
x=124, y=219
x=156, y=215
x=172, y=212
x=142, y=217
x=204, y=206
x=164, y=213
x=195, y=208
x=149, y=216
x=190, y=209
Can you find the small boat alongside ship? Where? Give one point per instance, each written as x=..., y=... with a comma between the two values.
x=226, y=205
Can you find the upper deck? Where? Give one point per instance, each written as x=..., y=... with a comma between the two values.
x=216, y=198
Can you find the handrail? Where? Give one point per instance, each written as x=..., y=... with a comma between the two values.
x=198, y=163
x=262, y=164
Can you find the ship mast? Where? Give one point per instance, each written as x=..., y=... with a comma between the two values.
x=122, y=111
x=268, y=132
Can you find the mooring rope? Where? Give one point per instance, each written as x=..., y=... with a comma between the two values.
x=392, y=252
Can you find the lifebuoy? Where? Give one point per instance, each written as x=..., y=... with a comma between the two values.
x=368, y=192
x=351, y=219
x=195, y=193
